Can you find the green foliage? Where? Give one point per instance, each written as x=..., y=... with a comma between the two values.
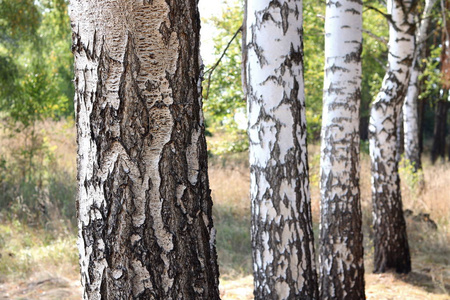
x=35, y=61
x=57, y=39
x=313, y=40
x=413, y=178
x=224, y=99
x=431, y=76
x=19, y=20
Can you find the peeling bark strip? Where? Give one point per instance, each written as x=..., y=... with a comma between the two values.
x=144, y=206
x=391, y=243
x=282, y=236
x=341, y=249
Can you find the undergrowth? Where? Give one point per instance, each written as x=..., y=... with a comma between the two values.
x=25, y=250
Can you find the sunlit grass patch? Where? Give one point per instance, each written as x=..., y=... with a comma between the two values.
x=230, y=185
x=25, y=250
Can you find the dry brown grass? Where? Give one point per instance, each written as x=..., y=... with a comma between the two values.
x=59, y=136
x=229, y=182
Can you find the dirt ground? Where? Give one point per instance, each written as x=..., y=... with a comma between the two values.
x=42, y=286
x=421, y=284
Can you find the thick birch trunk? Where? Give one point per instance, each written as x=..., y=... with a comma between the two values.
x=144, y=206
x=410, y=106
x=341, y=250
x=391, y=244
x=282, y=236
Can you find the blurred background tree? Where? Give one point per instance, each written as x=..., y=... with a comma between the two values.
x=35, y=85
x=36, y=63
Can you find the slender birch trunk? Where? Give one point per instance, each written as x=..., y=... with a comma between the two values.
x=144, y=206
x=391, y=243
x=411, y=121
x=341, y=249
x=282, y=236
x=410, y=106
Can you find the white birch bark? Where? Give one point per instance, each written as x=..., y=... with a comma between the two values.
x=341, y=250
x=391, y=245
x=145, y=227
x=410, y=111
x=282, y=236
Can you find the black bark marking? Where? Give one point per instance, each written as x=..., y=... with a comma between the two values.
x=165, y=32
x=353, y=11
x=285, y=17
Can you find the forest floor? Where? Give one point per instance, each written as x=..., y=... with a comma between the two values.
x=40, y=261
x=426, y=281
x=418, y=285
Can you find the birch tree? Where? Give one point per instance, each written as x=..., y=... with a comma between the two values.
x=144, y=206
x=282, y=236
x=390, y=240
x=410, y=106
x=341, y=250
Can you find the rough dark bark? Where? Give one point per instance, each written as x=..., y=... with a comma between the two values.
x=144, y=205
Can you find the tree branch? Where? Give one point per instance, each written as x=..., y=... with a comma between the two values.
x=211, y=70
x=386, y=16
x=378, y=38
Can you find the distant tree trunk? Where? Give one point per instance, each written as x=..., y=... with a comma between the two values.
x=400, y=135
x=390, y=242
x=440, y=130
x=410, y=106
x=341, y=249
x=445, y=42
x=422, y=108
x=144, y=205
x=364, y=127
x=411, y=122
x=282, y=236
